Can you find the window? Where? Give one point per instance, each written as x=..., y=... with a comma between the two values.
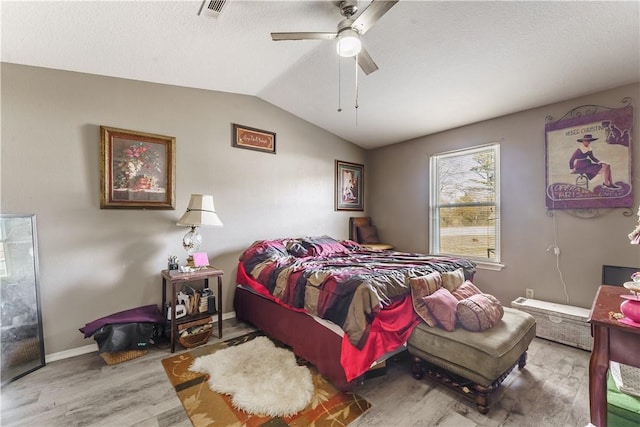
x=465, y=203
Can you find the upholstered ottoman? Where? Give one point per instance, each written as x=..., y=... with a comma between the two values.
x=473, y=363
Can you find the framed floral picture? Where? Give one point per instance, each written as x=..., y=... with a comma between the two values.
x=137, y=170
x=349, y=186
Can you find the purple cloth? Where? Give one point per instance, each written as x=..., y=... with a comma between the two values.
x=147, y=313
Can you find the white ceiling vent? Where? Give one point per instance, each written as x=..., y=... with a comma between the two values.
x=212, y=8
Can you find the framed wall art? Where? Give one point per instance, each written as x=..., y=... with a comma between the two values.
x=588, y=158
x=137, y=170
x=349, y=186
x=253, y=139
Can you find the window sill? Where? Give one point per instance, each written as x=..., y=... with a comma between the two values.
x=493, y=266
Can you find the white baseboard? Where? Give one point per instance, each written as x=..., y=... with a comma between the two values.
x=65, y=354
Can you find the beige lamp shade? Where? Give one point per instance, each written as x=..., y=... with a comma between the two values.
x=200, y=212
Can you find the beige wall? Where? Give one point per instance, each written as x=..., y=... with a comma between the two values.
x=96, y=262
x=398, y=178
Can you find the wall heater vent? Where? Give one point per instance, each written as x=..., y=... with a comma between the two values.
x=212, y=8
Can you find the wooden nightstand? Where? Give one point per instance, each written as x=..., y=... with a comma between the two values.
x=177, y=279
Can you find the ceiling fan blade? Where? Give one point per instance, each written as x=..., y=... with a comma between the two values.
x=371, y=14
x=366, y=62
x=303, y=36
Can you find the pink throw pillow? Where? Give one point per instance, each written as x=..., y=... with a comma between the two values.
x=443, y=305
x=480, y=312
x=466, y=290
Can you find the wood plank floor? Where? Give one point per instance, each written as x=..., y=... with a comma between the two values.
x=552, y=390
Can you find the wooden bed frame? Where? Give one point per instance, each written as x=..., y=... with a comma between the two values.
x=308, y=338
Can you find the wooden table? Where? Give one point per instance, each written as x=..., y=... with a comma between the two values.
x=612, y=340
x=175, y=278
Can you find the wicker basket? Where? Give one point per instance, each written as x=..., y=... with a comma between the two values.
x=122, y=356
x=191, y=340
x=21, y=351
x=558, y=322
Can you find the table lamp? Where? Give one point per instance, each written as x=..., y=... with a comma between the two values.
x=200, y=213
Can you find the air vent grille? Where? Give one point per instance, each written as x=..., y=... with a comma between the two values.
x=212, y=8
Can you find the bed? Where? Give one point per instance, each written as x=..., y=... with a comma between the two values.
x=337, y=304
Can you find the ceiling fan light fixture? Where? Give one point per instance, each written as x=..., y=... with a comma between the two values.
x=348, y=43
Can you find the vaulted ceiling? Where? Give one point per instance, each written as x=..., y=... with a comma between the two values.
x=441, y=64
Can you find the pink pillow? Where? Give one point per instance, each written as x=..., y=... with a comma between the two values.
x=443, y=305
x=466, y=290
x=322, y=246
x=479, y=312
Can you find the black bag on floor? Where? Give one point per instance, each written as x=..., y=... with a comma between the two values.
x=124, y=336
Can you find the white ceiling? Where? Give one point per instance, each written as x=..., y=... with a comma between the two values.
x=442, y=64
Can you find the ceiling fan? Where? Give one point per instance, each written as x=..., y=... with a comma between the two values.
x=349, y=31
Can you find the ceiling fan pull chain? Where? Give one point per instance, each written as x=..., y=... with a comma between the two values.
x=356, y=90
x=339, y=87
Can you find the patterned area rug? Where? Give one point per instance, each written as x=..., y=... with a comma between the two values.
x=329, y=406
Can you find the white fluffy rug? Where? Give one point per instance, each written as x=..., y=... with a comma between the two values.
x=260, y=377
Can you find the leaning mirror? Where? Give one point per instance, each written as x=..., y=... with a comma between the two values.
x=21, y=339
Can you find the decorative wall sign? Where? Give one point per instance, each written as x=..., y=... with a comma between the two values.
x=137, y=170
x=254, y=139
x=588, y=158
x=349, y=186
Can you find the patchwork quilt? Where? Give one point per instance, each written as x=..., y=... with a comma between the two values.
x=340, y=281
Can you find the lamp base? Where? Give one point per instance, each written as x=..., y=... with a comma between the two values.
x=190, y=262
x=191, y=243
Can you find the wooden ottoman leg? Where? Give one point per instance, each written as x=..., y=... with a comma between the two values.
x=479, y=394
x=417, y=367
x=482, y=398
x=522, y=361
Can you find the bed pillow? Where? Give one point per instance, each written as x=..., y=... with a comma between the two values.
x=451, y=280
x=421, y=287
x=264, y=249
x=466, y=290
x=322, y=246
x=442, y=305
x=368, y=234
x=479, y=312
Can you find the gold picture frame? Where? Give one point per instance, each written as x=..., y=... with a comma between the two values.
x=137, y=170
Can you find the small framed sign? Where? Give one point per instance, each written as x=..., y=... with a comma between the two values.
x=253, y=139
